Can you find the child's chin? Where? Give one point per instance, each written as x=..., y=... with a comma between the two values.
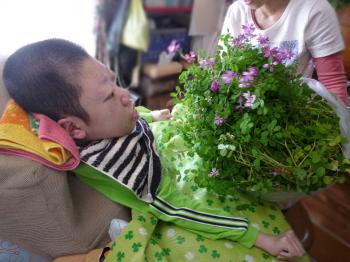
x=135, y=115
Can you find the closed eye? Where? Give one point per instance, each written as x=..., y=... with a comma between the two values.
x=110, y=96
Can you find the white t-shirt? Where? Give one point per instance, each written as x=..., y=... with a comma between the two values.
x=309, y=28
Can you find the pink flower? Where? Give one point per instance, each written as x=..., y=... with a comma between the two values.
x=206, y=63
x=281, y=55
x=173, y=47
x=246, y=80
x=237, y=41
x=248, y=30
x=215, y=86
x=253, y=71
x=263, y=40
x=190, y=57
x=219, y=121
x=228, y=76
x=248, y=77
x=266, y=51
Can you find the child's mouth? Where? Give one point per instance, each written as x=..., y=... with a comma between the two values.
x=135, y=115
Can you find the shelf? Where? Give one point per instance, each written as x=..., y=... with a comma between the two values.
x=167, y=10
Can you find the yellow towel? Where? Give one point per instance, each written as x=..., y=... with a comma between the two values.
x=16, y=133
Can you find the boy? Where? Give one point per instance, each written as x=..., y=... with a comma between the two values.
x=59, y=79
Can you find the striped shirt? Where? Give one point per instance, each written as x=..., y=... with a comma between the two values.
x=130, y=160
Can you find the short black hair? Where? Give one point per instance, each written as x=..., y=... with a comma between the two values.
x=42, y=77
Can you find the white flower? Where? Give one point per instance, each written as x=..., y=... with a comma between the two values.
x=228, y=245
x=250, y=99
x=143, y=231
x=214, y=172
x=171, y=233
x=248, y=258
x=189, y=256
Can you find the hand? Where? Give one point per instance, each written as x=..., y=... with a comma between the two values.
x=159, y=115
x=285, y=246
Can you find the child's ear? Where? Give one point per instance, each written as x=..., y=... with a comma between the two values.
x=74, y=127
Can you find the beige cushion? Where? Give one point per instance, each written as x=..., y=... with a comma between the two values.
x=3, y=93
x=51, y=213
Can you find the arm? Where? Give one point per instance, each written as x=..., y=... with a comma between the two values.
x=215, y=223
x=331, y=73
x=153, y=116
x=285, y=246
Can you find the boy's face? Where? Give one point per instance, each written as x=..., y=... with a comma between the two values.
x=111, y=112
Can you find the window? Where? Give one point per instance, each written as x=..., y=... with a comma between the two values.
x=26, y=21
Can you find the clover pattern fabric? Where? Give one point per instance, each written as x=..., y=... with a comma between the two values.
x=148, y=239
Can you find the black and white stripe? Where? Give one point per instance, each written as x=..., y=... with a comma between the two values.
x=131, y=160
x=185, y=213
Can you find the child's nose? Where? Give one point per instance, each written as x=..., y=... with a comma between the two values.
x=125, y=98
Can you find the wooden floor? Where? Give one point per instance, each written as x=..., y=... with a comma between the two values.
x=329, y=212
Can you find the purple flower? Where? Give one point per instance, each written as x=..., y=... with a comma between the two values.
x=287, y=54
x=215, y=86
x=266, y=51
x=173, y=47
x=237, y=41
x=202, y=63
x=210, y=62
x=228, y=76
x=206, y=63
x=248, y=77
x=218, y=120
x=246, y=80
x=248, y=30
x=281, y=55
x=243, y=84
x=253, y=71
x=190, y=57
x=214, y=172
x=263, y=40
x=249, y=99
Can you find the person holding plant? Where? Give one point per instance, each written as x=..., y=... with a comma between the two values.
x=308, y=28
x=119, y=157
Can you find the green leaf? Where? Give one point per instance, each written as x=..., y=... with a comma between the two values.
x=328, y=180
x=334, y=165
x=320, y=171
x=315, y=157
x=256, y=163
x=337, y=140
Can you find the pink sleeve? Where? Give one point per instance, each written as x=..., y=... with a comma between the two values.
x=331, y=73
